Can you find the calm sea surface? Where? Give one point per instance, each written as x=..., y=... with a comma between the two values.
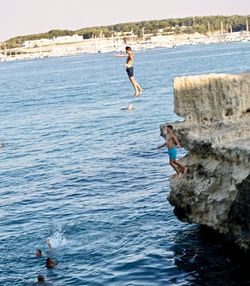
x=81, y=172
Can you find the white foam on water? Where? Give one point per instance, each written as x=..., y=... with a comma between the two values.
x=57, y=240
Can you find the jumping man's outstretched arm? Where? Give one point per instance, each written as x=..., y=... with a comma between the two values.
x=160, y=146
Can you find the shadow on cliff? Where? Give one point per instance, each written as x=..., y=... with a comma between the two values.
x=210, y=260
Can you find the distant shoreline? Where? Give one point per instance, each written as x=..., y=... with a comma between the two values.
x=116, y=46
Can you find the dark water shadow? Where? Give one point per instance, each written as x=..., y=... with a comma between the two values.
x=209, y=259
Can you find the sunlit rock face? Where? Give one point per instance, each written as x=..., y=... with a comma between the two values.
x=212, y=98
x=215, y=191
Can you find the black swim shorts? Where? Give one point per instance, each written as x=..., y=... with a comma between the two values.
x=130, y=72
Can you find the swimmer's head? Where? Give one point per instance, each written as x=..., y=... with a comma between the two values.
x=38, y=252
x=40, y=278
x=130, y=106
x=50, y=263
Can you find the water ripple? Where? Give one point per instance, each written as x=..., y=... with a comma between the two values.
x=79, y=171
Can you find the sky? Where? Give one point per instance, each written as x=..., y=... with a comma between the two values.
x=21, y=17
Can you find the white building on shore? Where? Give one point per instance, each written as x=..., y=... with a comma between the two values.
x=68, y=39
x=56, y=40
x=37, y=43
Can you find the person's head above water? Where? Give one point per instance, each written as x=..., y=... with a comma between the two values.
x=130, y=107
x=128, y=49
x=40, y=278
x=38, y=252
x=50, y=263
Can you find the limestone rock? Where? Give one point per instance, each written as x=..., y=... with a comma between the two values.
x=212, y=98
x=216, y=130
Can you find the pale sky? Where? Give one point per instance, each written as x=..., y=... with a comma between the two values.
x=20, y=17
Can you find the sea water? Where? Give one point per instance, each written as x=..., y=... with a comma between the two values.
x=79, y=171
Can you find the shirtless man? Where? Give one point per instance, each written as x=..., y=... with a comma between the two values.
x=171, y=143
x=130, y=71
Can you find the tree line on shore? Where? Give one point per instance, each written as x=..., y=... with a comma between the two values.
x=188, y=25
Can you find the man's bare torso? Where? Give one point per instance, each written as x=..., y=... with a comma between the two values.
x=170, y=141
x=130, y=60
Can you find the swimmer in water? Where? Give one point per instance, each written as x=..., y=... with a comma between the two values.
x=38, y=252
x=129, y=108
x=130, y=71
x=40, y=279
x=50, y=263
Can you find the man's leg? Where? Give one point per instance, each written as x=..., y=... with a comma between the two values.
x=134, y=85
x=175, y=167
x=180, y=165
x=138, y=89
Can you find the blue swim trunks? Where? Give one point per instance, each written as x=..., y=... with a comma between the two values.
x=130, y=72
x=172, y=153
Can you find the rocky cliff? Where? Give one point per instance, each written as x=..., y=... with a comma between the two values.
x=215, y=191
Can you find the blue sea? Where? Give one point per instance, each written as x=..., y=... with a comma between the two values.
x=79, y=171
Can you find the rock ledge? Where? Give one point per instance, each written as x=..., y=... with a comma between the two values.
x=216, y=130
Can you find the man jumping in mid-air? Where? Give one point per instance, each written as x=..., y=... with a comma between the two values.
x=130, y=71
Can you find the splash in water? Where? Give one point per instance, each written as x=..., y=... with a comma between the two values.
x=56, y=240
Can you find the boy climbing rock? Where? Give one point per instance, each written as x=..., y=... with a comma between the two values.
x=171, y=143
